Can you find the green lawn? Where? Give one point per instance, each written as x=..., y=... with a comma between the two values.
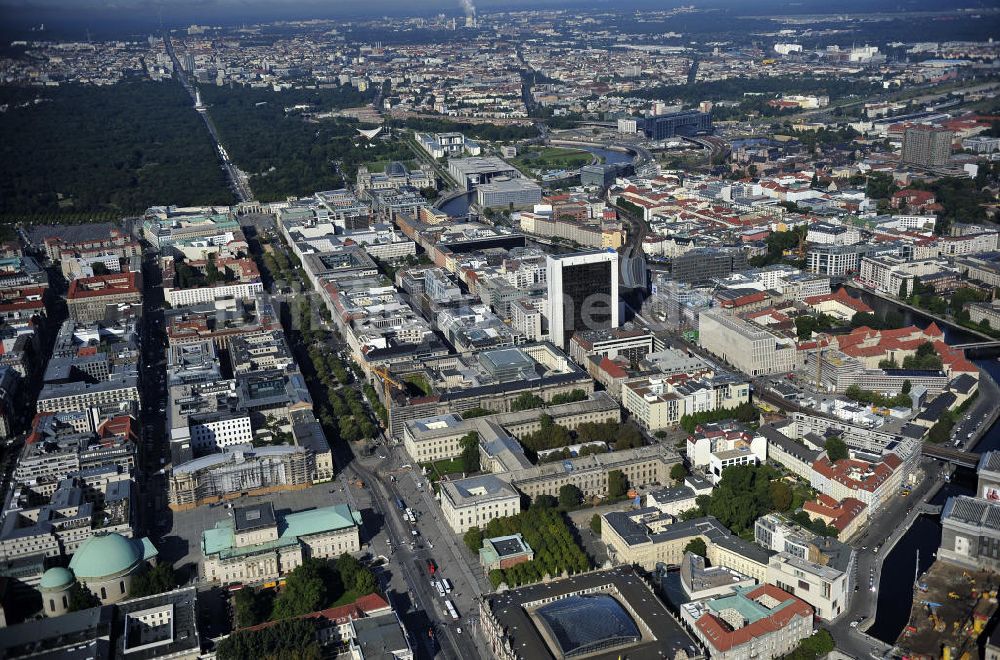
x=419, y=382
x=553, y=158
x=438, y=469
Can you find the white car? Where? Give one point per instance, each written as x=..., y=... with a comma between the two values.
x=459, y=630
x=854, y=624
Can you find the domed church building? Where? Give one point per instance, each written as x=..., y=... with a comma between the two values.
x=105, y=564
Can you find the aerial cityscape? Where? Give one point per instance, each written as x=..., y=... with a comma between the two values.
x=515, y=330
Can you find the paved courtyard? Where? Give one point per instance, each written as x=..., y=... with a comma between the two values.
x=180, y=540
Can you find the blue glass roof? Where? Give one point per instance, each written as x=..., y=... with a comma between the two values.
x=584, y=624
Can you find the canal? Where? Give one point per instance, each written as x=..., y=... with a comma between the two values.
x=899, y=568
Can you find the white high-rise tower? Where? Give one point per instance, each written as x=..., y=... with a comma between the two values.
x=198, y=105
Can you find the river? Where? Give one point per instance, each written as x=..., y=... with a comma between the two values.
x=896, y=582
x=608, y=156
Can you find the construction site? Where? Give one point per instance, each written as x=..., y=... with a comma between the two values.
x=951, y=608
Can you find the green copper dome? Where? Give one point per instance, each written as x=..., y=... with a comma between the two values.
x=57, y=578
x=105, y=555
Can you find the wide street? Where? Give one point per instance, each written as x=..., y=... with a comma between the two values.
x=386, y=481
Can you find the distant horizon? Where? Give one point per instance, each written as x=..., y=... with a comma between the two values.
x=108, y=19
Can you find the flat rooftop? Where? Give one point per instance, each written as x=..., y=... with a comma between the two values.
x=625, y=585
x=254, y=517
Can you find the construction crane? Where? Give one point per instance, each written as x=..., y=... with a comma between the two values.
x=387, y=384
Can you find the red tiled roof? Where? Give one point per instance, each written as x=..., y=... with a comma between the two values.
x=356, y=610
x=102, y=285
x=872, y=476
x=722, y=638
x=841, y=513
x=612, y=369
x=843, y=298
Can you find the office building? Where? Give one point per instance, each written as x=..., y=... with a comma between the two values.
x=473, y=172
x=630, y=344
x=207, y=416
x=745, y=345
x=926, y=146
x=583, y=293
x=439, y=145
x=648, y=537
x=832, y=260
x=705, y=264
x=440, y=437
x=970, y=533
x=160, y=626
x=602, y=175
x=715, y=447
x=687, y=123
x=396, y=175
x=825, y=233
x=508, y=193
x=988, y=472
x=761, y=622
x=81, y=395
x=89, y=299
x=825, y=586
x=659, y=402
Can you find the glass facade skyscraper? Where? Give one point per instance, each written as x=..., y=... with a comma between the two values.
x=583, y=293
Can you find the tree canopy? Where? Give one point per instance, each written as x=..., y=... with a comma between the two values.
x=281, y=152
x=745, y=412
x=697, y=546
x=745, y=493
x=617, y=483
x=815, y=646
x=295, y=638
x=81, y=598
x=473, y=540
x=98, y=150
x=836, y=449
x=526, y=401
x=306, y=590
x=874, y=398
x=470, y=452
x=569, y=496
x=156, y=581
x=546, y=531
x=568, y=397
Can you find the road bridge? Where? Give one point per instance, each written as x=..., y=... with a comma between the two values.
x=978, y=344
x=950, y=454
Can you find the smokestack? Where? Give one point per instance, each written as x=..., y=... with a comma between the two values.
x=470, y=13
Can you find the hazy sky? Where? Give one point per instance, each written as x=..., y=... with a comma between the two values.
x=110, y=16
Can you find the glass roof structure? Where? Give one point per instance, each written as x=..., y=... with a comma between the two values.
x=581, y=625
